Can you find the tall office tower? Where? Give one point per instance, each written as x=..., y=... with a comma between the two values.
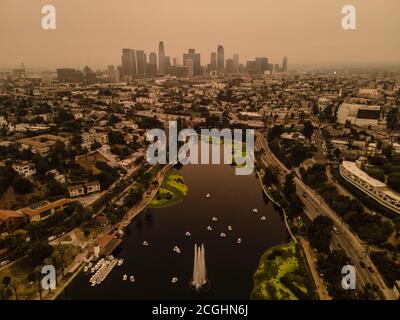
x=141, y=64
x=220, y=58
x=251, y=67
x=161, y=57
x=213, y=64
x=167, y=65
x=230, y=66
x=261, y=65
x=284, y=64
x=276, y=67
x=151, y=68
x=192, y=55
x=189, y=63
x=175, y=62
x=153, y=58
x=128, y=67
x=236, y=62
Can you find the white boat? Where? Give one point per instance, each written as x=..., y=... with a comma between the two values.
x=255, y=210
x=222, y=235
x=188, y=234
x=120, y=262
x=125, y=277
x=132, y=279
x=90, y=265
x=174, y=280
x=209, y=228
x=230, y=228
x=215, y=219
x=85, y=269
x=208, y=195
x=92, y=270
x=176, y=249
x=93, y=284
x=263, y=218
x=145, y=243
x=239, y=240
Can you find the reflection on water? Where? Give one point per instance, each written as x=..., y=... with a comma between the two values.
x=230, y=265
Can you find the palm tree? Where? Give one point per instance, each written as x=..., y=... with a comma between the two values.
x=15, y=285
x=48, y=261
x=38, y=277
x=61, y=251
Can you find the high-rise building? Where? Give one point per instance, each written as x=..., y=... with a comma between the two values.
x=220, y=58
x=262, y=65
x=189, y=63
x=230, y=66
x=192, y=55
x=141, y=64
x=213, y=62
x=151, y=69
x=285, y=64
x=69, y=75
x=128, y=67
x=277, y=67
x=236, y=62
x=167, y=65
x=153, y=58
x=161, y=57
x=175, y=62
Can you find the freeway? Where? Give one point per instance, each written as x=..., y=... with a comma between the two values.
x=345, y=239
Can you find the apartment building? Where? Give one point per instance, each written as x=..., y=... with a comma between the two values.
x=372, y=187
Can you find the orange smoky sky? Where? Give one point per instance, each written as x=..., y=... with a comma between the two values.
x=93, y=32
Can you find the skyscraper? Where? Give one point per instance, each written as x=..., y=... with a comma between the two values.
x=213, y=64
x=285, y=64
x=153, y=58
x=161, y=57
x=220, y=58
x=141, y=64
x=189, y=63
x=230, y=66
x=236, y=62
x=151, y=70
x=192, y=55
x=128, y=62
x=262, y=65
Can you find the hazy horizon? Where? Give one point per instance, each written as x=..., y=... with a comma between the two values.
x=94, y=32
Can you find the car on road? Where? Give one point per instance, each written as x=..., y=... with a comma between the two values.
x=336, y=230
x=3, y=263
x=362, y=264
x=370, y=269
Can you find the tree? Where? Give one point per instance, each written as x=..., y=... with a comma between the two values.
x=95, y=145
x=289, y=187
x=393, y=119
x=319, y=233
x=308, y=129
x=39, y=251
x=393, y=181
x=22, y=185
x=6, y=281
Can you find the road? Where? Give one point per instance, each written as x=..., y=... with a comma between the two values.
x=346, y=240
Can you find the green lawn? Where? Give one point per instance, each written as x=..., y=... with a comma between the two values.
x=19, y=272
x=173, y=190
x=279, y=276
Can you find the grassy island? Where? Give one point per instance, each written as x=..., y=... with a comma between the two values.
x=281, y=276
x=173, y=190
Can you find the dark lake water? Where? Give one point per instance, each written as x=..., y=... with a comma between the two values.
x=230, y=266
